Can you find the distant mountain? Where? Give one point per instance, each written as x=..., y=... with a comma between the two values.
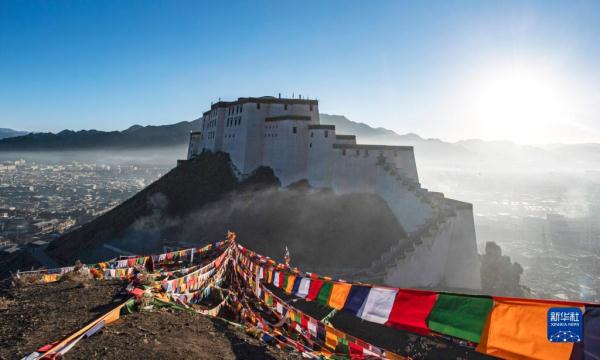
x=474, y=153
x=8, y=133
x=134, y=137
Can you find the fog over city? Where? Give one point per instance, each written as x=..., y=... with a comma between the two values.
x=546, y=218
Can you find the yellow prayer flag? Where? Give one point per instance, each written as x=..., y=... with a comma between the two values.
x=112, y=316
x=290, y=284
x=331, y=338
x=339, y=293
x=519, y=329
x=50, y=278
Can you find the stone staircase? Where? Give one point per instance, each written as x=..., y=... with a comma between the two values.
x=424, y=234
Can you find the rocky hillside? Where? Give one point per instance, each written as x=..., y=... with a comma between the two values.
x=198, y=201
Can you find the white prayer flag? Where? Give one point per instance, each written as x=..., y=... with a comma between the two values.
x=378, y=305
x=303, y=288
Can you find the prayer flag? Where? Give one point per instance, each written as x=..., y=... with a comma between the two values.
x=331, y=338
x=339, y=293
x=518, y=329
x=591, y=333
x=303, y=288
x=461, y=316
x=325, y=293
x=410, y=311
x=356, y=298
x=296, y=285
x=378, y=305
x=289, y=284
x=313, y=291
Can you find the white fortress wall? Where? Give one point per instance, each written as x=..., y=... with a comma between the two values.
x=425, y=266
x=253, y=116
x=345, y=139
x=462, y=264
x=411, y=211
x=285, y=144
x=354, y=169
x=403, y=157
x=320, y=155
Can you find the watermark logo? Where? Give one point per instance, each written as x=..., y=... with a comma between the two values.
x=565, y=325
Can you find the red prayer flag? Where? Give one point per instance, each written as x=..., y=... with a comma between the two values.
x=304, y=321
x=410, y=311
x=356, y=352
x=313, y=290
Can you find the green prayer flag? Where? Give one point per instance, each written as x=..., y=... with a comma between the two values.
x=130, y=307
x=324, y=293
x=285, y=282
x=460, y=316
x=342, y=346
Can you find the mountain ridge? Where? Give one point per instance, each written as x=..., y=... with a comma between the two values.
x=6, y=133
x=430, y=151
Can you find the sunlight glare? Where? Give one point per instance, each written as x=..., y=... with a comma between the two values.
x=518, y=103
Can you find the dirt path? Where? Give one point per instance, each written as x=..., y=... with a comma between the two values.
x=174, y=335
x=41, y=314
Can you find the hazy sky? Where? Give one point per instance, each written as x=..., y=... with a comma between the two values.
x=522, y=71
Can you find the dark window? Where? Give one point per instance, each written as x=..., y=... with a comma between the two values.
x=241, y=107
x=344, y=152
x=326, y=133
x=294, y=129
x=285, y=107
x=258, y=105
x=240, y=120
x=310, y=145
x=357, y=152
x=311, y=108
x=311, y=134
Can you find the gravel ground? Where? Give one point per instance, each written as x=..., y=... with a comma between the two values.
x=36, y=315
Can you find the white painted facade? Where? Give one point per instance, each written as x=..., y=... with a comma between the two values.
x=286, y=135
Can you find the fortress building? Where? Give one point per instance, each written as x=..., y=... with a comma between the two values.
x=286, y=135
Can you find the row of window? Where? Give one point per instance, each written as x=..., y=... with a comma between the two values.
x=285, y=106
x=234, y=121
x=366, y=152
x=211, y=135
x=312, y=134
x=210, y=124
x=235, y=109
x=357, y=152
